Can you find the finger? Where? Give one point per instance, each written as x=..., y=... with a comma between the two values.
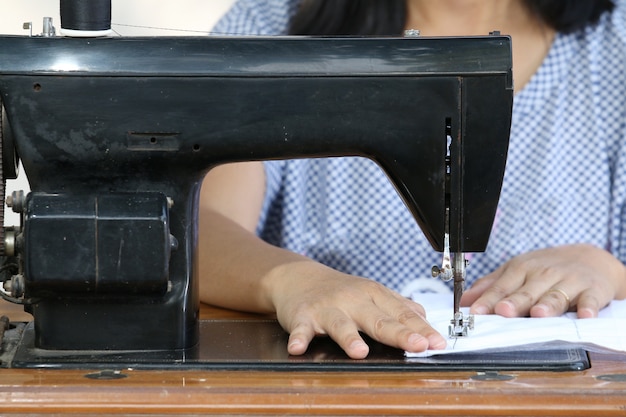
x=520, y=302
x=554, y=302
x=493, y=288
x=486, y=303
x=592, y=298
x=414, y=335
x=435, y=340
x=345, y=333
x=419, y=324
x=508, y=279
x=589, y=305
x=411, y=305
x=477, y=289
x=581, y=293
x=300, y=338
x=403, y=324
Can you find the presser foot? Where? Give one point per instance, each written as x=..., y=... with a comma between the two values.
x=460, y=325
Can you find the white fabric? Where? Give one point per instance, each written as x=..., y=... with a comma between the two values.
x=493, y=332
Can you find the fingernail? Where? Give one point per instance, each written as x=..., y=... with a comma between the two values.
x=437, y=343
x=358, y=345
x=359, y=349
x=415, y=339
x=543, y=310
x=418, y=343
x=587, y=313
x=480, y=309
x=296, y=343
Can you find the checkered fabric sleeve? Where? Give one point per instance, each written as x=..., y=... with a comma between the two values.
x=256, y=17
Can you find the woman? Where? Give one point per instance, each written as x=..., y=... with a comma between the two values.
x=559, y=241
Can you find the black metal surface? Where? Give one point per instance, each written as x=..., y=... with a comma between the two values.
x=88, y=244
x=125, y=115
x=258, y=56
x=262, y=345
x=7, y=148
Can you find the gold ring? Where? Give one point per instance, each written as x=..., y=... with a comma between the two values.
x=563, y=293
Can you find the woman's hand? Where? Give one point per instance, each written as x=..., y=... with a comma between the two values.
x=237, y=270
x=549, y=282
x=311, y=299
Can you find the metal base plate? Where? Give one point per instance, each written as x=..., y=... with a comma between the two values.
x=261, y=345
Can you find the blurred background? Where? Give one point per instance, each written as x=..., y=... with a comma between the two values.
x=128, y=18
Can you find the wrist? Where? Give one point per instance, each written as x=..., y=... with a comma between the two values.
x=291, y=279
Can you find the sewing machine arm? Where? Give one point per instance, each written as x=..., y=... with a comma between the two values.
x=115, y=136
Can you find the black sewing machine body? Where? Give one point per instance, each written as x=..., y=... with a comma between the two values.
x=116, y=134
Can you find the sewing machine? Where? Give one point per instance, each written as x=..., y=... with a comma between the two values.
x=115, y=135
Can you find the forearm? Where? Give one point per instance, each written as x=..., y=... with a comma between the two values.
x=235, y=267
x=237, y=270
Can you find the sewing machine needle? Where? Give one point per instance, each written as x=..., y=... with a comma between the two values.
x=459, y=281
x=459, y=325
x=458, y=291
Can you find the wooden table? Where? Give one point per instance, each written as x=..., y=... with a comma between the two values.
x=599, y=391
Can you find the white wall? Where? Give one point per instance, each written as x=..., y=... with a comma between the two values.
x=128, y=18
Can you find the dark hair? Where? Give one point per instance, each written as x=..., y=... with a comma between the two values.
x=569, y=15
x=387, y=17
x=349, y=17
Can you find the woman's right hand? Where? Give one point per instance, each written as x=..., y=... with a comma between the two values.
x=312, y=300
x=238, y=270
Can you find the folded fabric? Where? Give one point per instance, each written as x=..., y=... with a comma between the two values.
x=493, y=332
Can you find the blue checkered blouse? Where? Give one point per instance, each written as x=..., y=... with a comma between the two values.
x=565, y=179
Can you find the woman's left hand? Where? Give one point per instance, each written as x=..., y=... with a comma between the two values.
x=549, y=282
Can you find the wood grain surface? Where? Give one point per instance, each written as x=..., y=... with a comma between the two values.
x=598, y=391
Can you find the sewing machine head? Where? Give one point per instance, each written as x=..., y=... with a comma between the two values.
x=116, y=134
